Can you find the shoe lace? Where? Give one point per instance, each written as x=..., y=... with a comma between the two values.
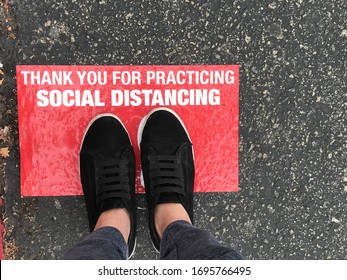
x=166, y=174
x=112, y=179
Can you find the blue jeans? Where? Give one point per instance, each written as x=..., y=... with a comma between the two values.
x=181, y=241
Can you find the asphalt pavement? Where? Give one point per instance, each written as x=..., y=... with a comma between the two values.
x=291, y=202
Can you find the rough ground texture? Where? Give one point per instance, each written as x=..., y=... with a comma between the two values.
x=8, y=114
x=293, y=103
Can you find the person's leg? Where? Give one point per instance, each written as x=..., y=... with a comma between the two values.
x=108, y=241
x=168, y=172
x=107, y=169
x=180, y=240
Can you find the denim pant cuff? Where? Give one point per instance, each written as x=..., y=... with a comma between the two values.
x=183, y=241
x=106, y=243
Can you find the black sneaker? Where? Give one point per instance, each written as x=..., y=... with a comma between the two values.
x=107, y=169
x=167, y=164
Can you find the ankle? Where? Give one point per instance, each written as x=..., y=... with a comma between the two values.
x=118, y=218
x=167, y=213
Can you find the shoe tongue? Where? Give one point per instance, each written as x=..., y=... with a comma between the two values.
x=169, y=198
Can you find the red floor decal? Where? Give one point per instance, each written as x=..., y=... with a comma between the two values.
x=56, y=103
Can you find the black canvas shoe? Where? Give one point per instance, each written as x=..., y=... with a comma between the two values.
x=107, y=169
x=167, y=164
